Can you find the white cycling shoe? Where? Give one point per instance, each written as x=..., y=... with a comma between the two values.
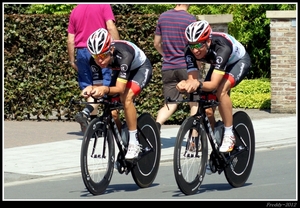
x=133, y=151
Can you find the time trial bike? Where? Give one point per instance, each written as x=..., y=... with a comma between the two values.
x=191, y=148
x=98, y=158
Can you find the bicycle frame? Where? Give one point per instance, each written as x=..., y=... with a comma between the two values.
x=190, y=168
x=108, y=119
x=98, y=159
x=203, y=104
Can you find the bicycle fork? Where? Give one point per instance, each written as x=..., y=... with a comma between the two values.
x=193, y=143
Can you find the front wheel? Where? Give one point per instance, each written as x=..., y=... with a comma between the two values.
x=190, y=155
x=239, y=169
x=145, y=170
x=97, y=157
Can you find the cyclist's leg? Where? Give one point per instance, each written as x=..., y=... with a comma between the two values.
x=136, y=83
x=94, y=113
x=116, y=117
x=225, y=106
x=210, y=112
x=129, y=109
x=195, y=134
x=113, y=79
x=234, y=74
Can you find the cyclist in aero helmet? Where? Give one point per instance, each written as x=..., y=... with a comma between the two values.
x=229, y=64
x=131, y=72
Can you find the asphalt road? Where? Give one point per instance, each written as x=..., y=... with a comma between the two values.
x=273, y=179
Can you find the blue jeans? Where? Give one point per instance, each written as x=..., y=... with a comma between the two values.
x=84, y=73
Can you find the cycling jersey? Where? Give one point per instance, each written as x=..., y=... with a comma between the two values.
x=224, y=50
x=130, y=65
x=126, y=57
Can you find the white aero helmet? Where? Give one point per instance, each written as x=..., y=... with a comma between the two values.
x=198, y=31
x=99, y=41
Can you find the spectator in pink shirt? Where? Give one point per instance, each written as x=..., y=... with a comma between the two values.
x=83, y=21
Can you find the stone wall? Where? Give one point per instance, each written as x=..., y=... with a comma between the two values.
x=283, y=61
x=219, y=23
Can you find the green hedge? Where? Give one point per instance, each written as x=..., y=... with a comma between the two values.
x=37, y=77
x=254, y=93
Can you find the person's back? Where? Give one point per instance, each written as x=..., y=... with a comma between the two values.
x=86, y=18
x=172, y=24
x=170, y=41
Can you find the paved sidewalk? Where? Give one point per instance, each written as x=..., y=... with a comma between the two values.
x=35, y=149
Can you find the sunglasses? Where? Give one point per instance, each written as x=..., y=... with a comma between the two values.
x=196, y=46
x=101, y=55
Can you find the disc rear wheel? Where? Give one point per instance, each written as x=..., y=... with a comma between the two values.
x=239, y=169
x=145, y=171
